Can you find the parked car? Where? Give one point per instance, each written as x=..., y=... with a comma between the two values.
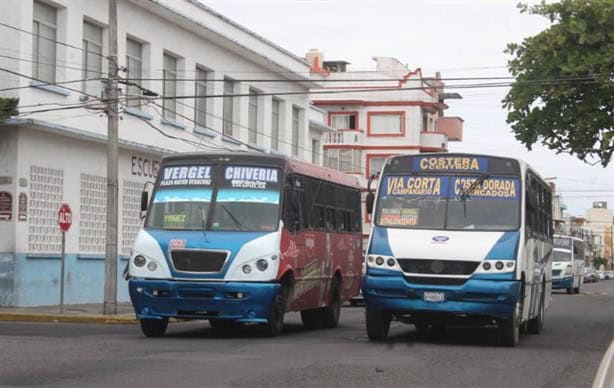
x=601, y=275
x=590, y=277
x=609, y=275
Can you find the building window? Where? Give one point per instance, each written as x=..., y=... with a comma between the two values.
x=228, y=111
x=386, y=123
x=343, y=120
x=170, y=87
x=375, y=164
x=134, y=72
x=200, y=102
x=275, y=124
x=253, y=117
x=92, y=57
x=44, y=26
x=315, y=151
x=345, y=160
x=295, y=130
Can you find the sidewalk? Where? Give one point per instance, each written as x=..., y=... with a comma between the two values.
x=73, y=313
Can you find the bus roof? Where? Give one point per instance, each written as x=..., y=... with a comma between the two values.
x=259, y=158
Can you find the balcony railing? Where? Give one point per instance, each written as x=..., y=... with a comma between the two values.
x=345, y=137
x=434, y=140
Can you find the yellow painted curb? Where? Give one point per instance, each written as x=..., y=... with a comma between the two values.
x=55, y=318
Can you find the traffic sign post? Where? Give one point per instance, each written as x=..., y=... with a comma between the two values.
x=64, y=221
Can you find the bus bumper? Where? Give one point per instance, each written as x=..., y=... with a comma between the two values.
x=488, y=298
x=564, y=282
x=238, y=301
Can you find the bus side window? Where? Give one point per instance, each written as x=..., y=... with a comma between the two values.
x=293, y=214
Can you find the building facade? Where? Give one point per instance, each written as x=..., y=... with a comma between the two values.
x=389, y=111
x=223, y=88
x=599, y=226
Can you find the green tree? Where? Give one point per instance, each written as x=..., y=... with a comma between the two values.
x=8, y=107
x=563, y=93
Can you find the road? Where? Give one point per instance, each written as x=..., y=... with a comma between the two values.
x=578, y=330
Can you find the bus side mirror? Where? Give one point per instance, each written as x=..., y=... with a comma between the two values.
x=369, y=202
x=144, y=201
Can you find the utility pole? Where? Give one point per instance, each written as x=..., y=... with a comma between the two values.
x=110, y=264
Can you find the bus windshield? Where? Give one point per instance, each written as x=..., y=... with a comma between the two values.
x=227, y=198
x=451, y=202
x=561, y=255
x=562, y=242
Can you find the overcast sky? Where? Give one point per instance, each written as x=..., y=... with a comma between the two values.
x=459, y=38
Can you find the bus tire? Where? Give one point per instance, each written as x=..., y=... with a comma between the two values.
x=536, y=325
x=154, y=327
x=569, y=290
x=275, y=324
x=509, y=329
x=378, y=324
x=331, y=313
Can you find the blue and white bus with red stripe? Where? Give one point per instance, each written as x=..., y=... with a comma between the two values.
x=459, y=238
x=242, y=237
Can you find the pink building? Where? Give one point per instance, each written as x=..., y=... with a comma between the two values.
x=389, y=111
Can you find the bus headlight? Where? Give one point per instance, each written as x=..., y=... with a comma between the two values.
x=493, y=266
x=262, y=265
x=152, y=266
x=384, y=262
x=247, y=269
x=139, y=261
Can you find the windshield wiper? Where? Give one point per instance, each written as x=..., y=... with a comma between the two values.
x=466, y=193
x=234, y=219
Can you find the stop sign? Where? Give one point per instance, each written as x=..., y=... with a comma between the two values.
x=65, y=217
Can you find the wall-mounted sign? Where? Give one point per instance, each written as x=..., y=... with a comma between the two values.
x=22, y=207
x=144, y=167
x=23, y=182
x=6, y=206
x=6, y=180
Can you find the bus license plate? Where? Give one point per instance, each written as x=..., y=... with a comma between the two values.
x=434, y=296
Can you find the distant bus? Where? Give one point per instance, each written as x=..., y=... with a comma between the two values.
x=568, y=263
x=244, y=238
x=459, y=237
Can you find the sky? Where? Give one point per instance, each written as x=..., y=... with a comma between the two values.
x=459, y=38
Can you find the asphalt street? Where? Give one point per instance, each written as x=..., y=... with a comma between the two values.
x=578, y=329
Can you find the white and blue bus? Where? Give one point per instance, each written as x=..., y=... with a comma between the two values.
x=568, y=263
x=459, y=236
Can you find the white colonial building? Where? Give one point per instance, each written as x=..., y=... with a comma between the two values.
x=53, y=58
x=389, y=111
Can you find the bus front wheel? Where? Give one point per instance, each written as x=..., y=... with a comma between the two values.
x=154, y=327
x=275, y=323
x=509, y=328
x=378, y=324
x=535, y=325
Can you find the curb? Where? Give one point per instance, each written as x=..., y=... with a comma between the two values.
x=57, y=318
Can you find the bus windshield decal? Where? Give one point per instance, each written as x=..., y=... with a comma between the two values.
x=182, y=195
x=403, y=186
x=186, y=175
x=399, y=217
x=450, y=163
x=251, y=177
x=254, y=196
x=490, y=188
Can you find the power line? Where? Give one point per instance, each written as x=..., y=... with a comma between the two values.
x=49, y=39
x=48, y=64
x=45, y=83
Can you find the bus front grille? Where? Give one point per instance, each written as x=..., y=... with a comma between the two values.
x=435, y=281
x=438, y=267
x=194, y=260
